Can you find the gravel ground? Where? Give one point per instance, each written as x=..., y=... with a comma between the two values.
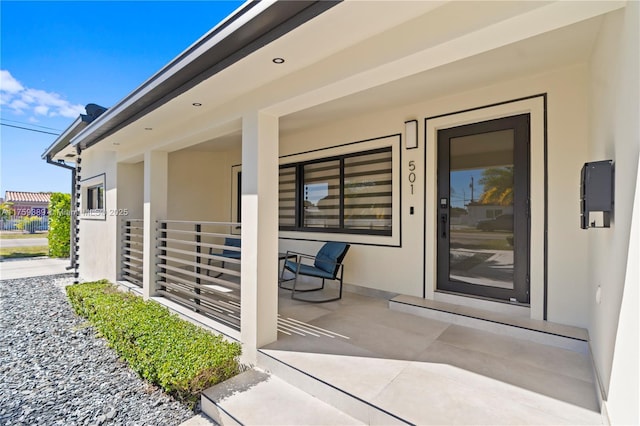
x=55, y=371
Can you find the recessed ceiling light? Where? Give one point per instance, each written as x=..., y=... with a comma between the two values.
x=278, y=60
x=196, y=104
x=148, y=128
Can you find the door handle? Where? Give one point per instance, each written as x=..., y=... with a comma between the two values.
x=443, y=221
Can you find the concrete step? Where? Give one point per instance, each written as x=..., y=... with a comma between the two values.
x=198, y=420
x=543, y=332
x=365, y=412
x=259, y=398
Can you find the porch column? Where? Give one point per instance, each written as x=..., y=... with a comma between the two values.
x=259, y=299
x=155, y=207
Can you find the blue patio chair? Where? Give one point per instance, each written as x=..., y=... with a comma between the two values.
x=229, y=254
x=326, y=265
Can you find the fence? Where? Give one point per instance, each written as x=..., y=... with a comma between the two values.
x=198, y=266
x=27, y=224
x=132, y=251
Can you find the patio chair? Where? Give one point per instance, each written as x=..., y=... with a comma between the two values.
x=229, y=254
x=326, y=265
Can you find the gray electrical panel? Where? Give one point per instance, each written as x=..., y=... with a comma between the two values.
x=596, y=194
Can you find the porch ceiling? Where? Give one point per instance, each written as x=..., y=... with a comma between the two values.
x=554, y=50
x=329, y=50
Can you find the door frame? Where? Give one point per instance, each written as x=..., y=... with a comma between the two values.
x=536, y=107
x=520, y=125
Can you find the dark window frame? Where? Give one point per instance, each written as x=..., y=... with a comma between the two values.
x=299, y=195
x=95, y=193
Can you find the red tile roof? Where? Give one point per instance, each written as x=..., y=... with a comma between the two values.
x=27, y=197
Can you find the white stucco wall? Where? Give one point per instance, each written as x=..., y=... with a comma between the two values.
x=98, y=238
x=400, y=269
x=615, y=135
x=130, y=196
x=200, y=185
x=131, y=189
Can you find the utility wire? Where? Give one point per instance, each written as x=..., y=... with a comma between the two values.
x=30, y=124
x=31, y=130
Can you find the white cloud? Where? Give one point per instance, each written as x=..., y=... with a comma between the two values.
x=41, y=110
x=21, y=100
x=8, y=83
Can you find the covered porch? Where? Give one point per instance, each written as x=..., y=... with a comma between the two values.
x=177, y=170
x=382, y=358
x=389, y=366
x=385, y=358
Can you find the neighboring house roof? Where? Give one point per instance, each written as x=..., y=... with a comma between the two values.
x=27, y=197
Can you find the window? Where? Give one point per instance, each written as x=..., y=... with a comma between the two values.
x=95, y=197
x=92, y=198
x=348, y=194
x=321, y=195
x=287, y=197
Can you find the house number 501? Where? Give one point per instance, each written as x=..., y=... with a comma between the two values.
x=412, y=175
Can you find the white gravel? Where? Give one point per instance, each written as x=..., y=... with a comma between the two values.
x=55, y=371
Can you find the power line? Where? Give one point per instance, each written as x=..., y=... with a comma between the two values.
x=30, y=124
x=31, y=130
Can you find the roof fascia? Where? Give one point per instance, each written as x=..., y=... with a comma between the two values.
x=251, y=27
x=64, y=139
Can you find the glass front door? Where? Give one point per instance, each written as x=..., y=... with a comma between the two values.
x=483, y=210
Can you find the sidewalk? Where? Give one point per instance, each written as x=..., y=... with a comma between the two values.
x=23, y=242
x=32, y=267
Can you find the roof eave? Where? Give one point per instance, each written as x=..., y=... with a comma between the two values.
x=252, y=26
x=64, y=139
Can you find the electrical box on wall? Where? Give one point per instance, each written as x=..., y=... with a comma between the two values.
x=596, y=194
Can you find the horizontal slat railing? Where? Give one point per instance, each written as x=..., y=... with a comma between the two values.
x=131, y=258
x=193, y=271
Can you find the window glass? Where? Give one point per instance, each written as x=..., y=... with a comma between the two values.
x=95, y=197
x=368, y=191
x=287, y=197
x=352, y=193
x=321, y=195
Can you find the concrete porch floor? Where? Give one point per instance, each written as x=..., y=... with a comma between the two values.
x=424, y=371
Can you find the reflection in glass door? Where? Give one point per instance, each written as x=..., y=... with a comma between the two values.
x=483, y=230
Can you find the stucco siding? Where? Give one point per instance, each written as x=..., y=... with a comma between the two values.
x=401, y=269
x=614, y=127
x=98, y=237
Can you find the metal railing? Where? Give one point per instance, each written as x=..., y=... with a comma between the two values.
x=132, y=251
x=27, y=224
x=198, y=267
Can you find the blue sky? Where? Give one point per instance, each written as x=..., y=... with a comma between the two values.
x=56, y=57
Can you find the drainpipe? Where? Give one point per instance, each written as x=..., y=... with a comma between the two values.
x=72, y=246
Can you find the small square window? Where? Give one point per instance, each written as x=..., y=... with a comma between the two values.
x=92, y=198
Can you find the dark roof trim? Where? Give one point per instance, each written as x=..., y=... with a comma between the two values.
x=195, y=65
x=93, y=111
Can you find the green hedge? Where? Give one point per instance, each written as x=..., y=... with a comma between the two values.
x=59, y=225
x=172, y=353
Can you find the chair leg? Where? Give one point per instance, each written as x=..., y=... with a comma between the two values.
x=293, y=288
x=220, y=273
x=281, y=280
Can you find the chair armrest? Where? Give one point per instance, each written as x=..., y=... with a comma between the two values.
x=298, y=256
x=297, y=253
